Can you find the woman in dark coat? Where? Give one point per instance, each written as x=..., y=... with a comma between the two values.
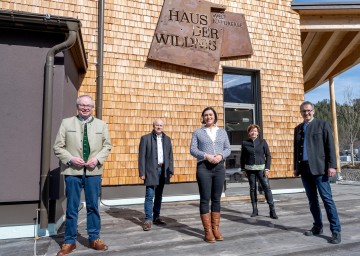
x=255, y=160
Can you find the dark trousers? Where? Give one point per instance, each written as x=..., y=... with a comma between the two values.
x=210, y=179
x=252, y=175
x=313, y=184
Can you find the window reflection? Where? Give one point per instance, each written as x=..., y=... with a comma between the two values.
x=237, y=88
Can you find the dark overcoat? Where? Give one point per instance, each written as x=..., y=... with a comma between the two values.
x=148, y=159
x=319, y=144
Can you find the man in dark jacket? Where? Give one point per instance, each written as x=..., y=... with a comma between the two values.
x=156, y=167
x=315, y=161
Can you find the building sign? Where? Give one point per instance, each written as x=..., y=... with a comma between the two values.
x=197, y=34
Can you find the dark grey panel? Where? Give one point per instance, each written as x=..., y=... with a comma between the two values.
x=22, y=61
x=18, y=214
x=289, y=183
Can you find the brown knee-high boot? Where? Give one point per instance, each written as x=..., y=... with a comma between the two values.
x=206, y=221
x=215, y=222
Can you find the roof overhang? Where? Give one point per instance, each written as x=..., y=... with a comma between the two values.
x=48, y=24
x=330, y=39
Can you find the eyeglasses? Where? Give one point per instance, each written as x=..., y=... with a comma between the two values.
x=85, y=106
x=306, y=111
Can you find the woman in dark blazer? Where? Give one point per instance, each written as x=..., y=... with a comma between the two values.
x=255, y=160
x=210, y=146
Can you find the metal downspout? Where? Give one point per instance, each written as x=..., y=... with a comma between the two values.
x=100, y=57
x=47, y=120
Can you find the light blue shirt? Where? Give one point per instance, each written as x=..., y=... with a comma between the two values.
x=305, y=156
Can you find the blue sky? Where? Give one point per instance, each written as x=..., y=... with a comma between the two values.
x=349, y=78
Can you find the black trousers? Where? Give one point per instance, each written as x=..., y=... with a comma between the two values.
x=210, y=179
x=252, y=175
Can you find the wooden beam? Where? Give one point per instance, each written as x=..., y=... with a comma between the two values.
x=347, y=62
x=337, y=63
x=352, y=9
x=306, y=41
x=324, y=23
x=346, y=46
x=322, y=53
x=318, y=43
x=334, y=122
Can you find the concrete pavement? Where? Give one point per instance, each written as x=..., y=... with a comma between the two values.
x=183, y=235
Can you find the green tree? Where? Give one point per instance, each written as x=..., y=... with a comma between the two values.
x=323, y=110
x=350, y=120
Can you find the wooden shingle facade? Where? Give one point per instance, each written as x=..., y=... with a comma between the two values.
x=138, y=90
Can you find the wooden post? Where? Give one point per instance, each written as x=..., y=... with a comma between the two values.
x=334, y=123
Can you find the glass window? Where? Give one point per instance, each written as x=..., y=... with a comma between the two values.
x=236, y=122
x=238, y=88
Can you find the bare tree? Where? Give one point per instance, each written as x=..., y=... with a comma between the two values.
x=350, y=113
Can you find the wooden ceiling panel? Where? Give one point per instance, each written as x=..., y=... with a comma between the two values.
x=314, y=50
x=330, y=38
x=346, y=46
x=306, y=40
x=352, y=59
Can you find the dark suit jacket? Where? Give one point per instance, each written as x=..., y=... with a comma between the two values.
x=319, y=144
x=148, y=159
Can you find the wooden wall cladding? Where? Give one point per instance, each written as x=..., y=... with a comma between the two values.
x=137, y=91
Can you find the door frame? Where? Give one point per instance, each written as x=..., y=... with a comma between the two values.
x=256, y=106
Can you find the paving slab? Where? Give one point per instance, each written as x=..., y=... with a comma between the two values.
x=183, y=234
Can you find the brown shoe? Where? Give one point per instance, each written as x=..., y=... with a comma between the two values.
x=147, y=225
x=98, y=245
x=66, y=249
x=159, y=221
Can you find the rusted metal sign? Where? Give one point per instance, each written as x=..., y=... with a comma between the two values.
x=236, y=40
x=196, y=34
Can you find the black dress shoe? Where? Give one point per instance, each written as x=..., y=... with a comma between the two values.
x=314, y=231
x=159, y=221
x=335, y=238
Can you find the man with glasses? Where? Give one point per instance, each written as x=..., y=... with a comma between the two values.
x=82, y=145
x=315, y=161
